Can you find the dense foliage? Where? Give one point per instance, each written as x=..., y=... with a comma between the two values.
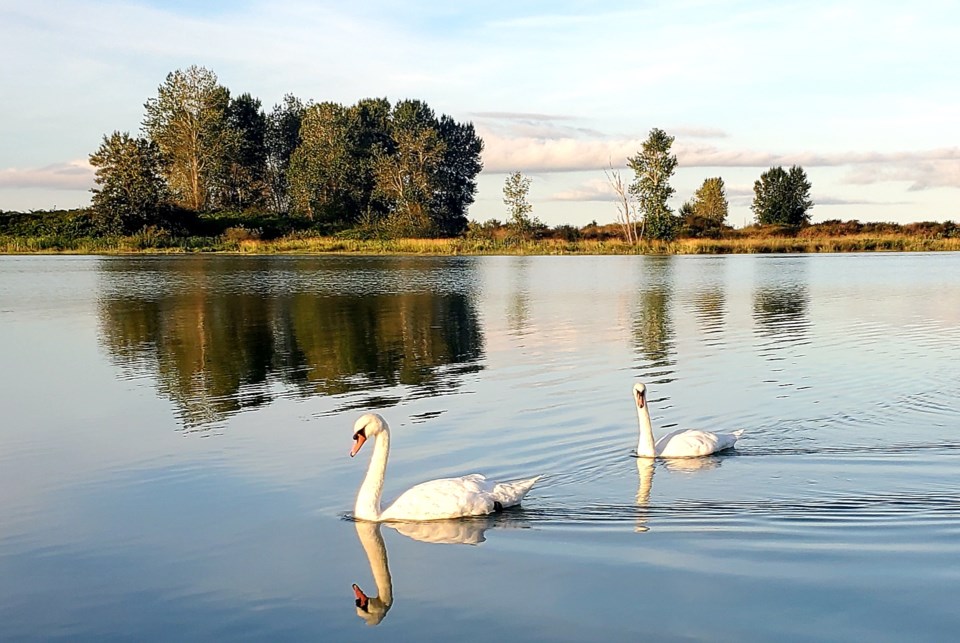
x=131, y=191
x=386, y=170
x=782, y=197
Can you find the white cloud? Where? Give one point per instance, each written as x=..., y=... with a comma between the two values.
x=593, y=190
x=72, y=175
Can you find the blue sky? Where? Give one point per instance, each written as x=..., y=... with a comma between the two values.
x=864, y=95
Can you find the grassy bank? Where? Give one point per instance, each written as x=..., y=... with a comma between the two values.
x=160, y=244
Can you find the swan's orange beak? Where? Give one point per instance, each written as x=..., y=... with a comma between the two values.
x=640, y=400
x=359, y=439
x=362, y=599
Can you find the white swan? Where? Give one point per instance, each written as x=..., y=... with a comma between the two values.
x=471, y=495
x=685, y=443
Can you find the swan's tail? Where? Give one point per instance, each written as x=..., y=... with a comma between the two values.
x=737, y=433
x=511, y=493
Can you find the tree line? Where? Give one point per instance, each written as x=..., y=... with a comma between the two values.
x=395, y=169
x=374, y=168
x=781, y=197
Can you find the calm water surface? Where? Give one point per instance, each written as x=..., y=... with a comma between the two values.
x=175, y=431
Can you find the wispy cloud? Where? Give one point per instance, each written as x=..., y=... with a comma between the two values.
x=593, y=190
x=924, y=169
x=72, y=175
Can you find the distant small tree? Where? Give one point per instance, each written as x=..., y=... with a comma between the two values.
x=706, y=214
x=782, y=197
x=131, y=191
x=653, y=167
x=515, y=191
x=626, y=207
x=710, y=201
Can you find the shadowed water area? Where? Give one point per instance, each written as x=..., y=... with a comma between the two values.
x=174, y=447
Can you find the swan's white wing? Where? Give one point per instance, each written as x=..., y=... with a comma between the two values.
x=444, y=498
x=692, y=443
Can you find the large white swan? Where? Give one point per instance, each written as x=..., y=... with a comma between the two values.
x=471, y=495
x=685, y=443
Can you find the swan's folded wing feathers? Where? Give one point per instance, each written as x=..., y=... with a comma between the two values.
x=694, y=443
x=444, y=498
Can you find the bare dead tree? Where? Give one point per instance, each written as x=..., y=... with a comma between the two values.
x=626, y=209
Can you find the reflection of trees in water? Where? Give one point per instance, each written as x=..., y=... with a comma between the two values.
x=710, y=306
x=214, y=353
x=709, y=299
x=781, y=298
x=518, y=306
x=653, y=331
x=202, y=350
x=384, y=339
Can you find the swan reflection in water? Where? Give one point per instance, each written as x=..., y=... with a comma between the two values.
x=466, y=531
x=645, y=471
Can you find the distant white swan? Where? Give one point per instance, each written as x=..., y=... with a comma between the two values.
x=471, y=495
x=685, y=443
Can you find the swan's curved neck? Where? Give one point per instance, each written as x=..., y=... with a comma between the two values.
x=368, y=498
x=645, y=446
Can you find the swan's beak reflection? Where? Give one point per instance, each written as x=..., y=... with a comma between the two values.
x=362, y=599
x=373, y=609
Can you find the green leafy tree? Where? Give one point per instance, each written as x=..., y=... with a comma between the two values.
x=131, y=191
x=281, y=138
x=188, y=121
x=369, y=123
x=782, y=197
x=321, y=166
x=522, y=225
x=653, y=166
x=456, y=184
x=244, y=165
x=710, y=201
x=406, y=176
x=706, y=214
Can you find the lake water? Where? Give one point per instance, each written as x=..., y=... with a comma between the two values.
x=175, y=434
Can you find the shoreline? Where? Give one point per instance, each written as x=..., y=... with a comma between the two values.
x=467, y=247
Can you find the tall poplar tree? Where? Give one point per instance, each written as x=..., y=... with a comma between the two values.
x=653, y=166
x=187, y=120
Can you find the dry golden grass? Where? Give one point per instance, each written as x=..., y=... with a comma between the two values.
x=333, y=245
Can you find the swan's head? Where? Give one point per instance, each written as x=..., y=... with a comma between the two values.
x=640, y=395
x=366, y=427
x=371, y=610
